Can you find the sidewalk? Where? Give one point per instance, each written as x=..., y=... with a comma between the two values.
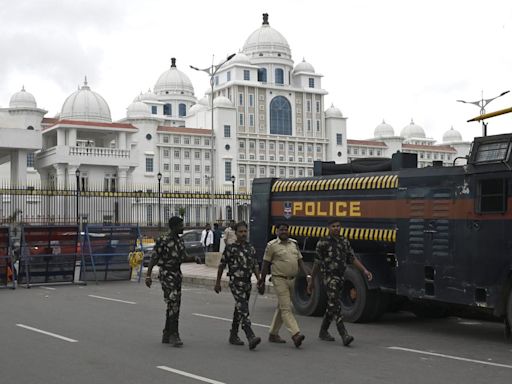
x=202, y=275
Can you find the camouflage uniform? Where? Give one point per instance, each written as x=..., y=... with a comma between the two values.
x=168, y=254
x=332, y=256
x=241, y=261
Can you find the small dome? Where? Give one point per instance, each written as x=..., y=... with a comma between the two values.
x=86, y=105
x=333, y=112
x=23, y=99
x=137, y=109
x=148, y=96
x=266, y=39
x=174, y=81
x=452, y=136
x=204, y=101
x=304, y=66
x=383, y=130
x=240, y=58
x=413, y=131
x=196, y=108
x=222, y=101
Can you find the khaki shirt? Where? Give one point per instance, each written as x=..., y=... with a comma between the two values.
x=284, y=256
x=229, y=235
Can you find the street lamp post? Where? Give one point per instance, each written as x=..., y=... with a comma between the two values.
x=159, y=177
x=233, y=178
x=77, y=174
x=212, y=71
x=482, y=103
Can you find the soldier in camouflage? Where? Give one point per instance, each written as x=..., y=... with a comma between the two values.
x=240, y=257
x=333, y=253
x=168, y=254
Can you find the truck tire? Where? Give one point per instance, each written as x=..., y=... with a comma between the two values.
x=358, y=303
x=309, y=305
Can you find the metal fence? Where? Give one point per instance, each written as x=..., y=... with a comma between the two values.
x=32, y=205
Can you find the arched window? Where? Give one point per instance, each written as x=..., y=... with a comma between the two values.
x=168, y=109
x=279, y=76
x=262, y=75
x=182, y=110
x=280, y=116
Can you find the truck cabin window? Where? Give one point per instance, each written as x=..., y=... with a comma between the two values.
x=492, y=152
x=492, y=196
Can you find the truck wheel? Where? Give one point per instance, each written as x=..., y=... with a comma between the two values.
x=309, y=305
x=358, y=303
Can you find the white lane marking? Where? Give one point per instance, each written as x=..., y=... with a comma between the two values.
x=48, y=288
x=47, y=333
x=451, y=357
x=230, y=320
x=110, y=299
x=191, y=375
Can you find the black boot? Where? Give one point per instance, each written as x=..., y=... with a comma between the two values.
x=174, y=338
x=253, y=340
x=233, y=335
x=166, y=334
x=324, y=333
x=347, y=339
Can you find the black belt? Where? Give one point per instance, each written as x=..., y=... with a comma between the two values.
x=285, y=277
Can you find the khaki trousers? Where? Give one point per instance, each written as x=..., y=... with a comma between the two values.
x=283, y=288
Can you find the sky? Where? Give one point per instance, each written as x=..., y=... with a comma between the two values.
x=393, y=60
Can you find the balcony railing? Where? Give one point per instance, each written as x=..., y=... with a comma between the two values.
x=99, y=152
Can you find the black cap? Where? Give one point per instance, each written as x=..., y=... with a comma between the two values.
x=175, y=221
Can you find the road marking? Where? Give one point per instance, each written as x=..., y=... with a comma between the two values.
x=110, y=299
x=47, y=333
x=230, y=320
x=191, y=375
x=451, y=357
x=48, y=288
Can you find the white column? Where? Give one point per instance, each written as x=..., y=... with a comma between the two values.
x=122, y=177
x=71, y=179
x=61, y=137
x=121, y=140
x=60, y=171
x=19, y=168
x=72, y=137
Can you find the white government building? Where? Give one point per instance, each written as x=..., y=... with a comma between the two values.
x=269, y=120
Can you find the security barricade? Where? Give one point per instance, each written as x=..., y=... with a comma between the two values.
x=48, y=254
x=7, y=273
x=106, y=252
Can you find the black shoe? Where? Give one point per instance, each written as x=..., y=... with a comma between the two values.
x=298, y=338
x=175, y=340
x=253, y=342
x=166, y=337
x=234, y=339
x=276, y=339
x=325, y=335
x=347, y=339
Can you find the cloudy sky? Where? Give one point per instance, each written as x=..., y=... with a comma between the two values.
x=392, y=60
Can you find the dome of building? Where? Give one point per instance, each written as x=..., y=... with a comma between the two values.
x=383, y=130
x=174, y=81
x=137, y=109
x=412, y=131
x=304, y=66
x=240, y=58
x=266, y=39
x=23, y=99
x=86, y=105
x=148, y=96
x=196, y=108
x=222, y=101
x=452, y=136
x=204, y=101
x=332, y=111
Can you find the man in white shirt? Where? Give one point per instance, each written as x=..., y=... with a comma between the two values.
x=207, y=238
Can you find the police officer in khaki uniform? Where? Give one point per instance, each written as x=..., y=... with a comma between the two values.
x=284, y=255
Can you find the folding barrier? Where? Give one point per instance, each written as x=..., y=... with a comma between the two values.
x=48, y=254
x=7, y=273
x=106, y=251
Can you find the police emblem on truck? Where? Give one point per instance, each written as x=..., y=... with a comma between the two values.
x=287, y=211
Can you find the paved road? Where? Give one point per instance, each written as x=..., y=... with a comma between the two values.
x=93, y=339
